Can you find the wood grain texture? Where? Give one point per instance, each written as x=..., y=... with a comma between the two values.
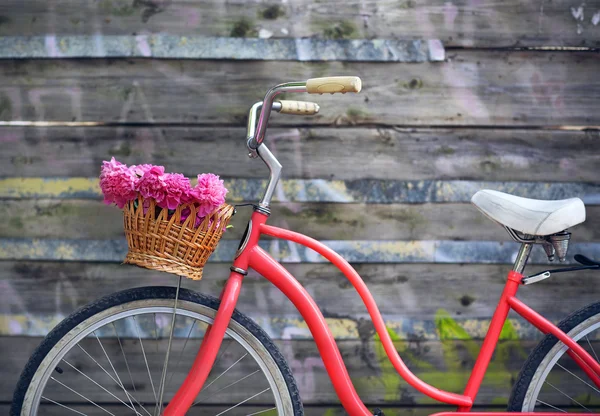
x=307, y=153
x=457, y=23
x=471, y=88
x=36, y=295
x=93, y=220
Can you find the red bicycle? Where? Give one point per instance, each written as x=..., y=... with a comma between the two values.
x=102, y=359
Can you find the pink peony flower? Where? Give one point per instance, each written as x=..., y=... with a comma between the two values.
x=117, y=182
x=139, y=170
x=209, y=193
x=153, y=185
x=178, y=190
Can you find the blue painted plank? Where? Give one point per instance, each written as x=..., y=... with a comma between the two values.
x=320, y=190
x=355, y=251
x=206, y=47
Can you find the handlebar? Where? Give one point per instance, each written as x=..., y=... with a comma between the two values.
x=255, y=137
x=283, y=106
x=305, y=108
x=329, y=85
x=332, y=85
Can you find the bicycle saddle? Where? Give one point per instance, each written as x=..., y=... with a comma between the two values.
x=530, y=216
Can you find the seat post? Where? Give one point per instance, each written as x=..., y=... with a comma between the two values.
x=522, y=257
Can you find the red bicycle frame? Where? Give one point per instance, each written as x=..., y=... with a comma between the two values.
x=252, y=256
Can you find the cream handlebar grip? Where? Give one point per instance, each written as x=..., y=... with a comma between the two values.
x=298, y=107
x=332, y=85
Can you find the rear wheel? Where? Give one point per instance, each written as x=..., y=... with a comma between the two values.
x=550, y=380
x=109, y=358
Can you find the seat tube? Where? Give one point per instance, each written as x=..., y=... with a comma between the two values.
x=522, y=257
x=496, y=324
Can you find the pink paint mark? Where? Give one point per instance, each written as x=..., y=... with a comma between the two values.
x=143, y=45
x=547, y=92
x=450, y=13
x=52, y=48
x=567, y=165
x=192, y=17
x=11, y=137
x=305, y=371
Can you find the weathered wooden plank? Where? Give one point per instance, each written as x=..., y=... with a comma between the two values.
x=398, y=154
x=47, y=218
x=354, y=251
x=457, y=23
x=370, y=191
x=166, y=46
x=35, y=296
x=472, y=88
x=444, y=364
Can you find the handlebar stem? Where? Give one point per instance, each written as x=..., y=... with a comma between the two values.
x=274, y=174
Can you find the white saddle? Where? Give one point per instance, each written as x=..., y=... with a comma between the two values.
x=530, y=216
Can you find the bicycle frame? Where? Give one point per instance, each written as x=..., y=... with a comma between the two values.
x=252, y=256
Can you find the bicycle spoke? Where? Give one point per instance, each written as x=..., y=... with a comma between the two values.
x=220, y=375
x=580, y=379
x=64, y=406
x=243, y=401
x=97, y=384
x=124, y=357
x=549, y=405
x=181, y=353
x=137, y=329
x=593, y=350
x=82, y=396
x=229, y=385
x=566, y=395
x=112, y=378
x=113, y=368
x=155, y=332
x=262, y=411
x=165, y=365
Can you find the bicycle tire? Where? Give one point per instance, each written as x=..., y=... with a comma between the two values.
x=530, y=376
x=145, y=294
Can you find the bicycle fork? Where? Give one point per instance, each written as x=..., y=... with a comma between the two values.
x=211, y=343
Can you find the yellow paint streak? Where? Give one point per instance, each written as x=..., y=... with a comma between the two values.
x=65, y=252
x=50, y=188
x=340, y=328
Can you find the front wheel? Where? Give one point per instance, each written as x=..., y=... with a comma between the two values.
x=108, y=358
x=550, y=380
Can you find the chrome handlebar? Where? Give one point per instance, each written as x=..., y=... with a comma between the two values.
x=256, y=134
x=256, y=131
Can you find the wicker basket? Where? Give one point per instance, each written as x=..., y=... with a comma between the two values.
x=161, y=242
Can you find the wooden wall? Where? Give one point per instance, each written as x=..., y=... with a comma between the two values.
x=511, y=101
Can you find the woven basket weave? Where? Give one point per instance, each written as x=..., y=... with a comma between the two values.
x=161, y=242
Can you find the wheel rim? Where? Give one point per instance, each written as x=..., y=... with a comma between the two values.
x=190, y=310
x=549, y=363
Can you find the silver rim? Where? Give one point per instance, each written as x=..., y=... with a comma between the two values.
x=236, y=332
x=550, y=362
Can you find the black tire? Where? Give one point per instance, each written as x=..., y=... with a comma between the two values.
x=522, y=385
x=146, y=293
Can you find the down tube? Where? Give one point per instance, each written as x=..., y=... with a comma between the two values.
x=334, y=364
x=371, y=305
